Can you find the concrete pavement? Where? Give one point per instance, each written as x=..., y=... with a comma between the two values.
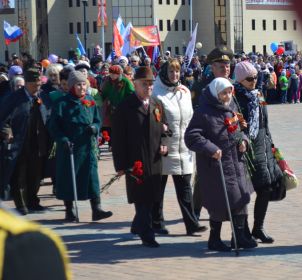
x=106, y=250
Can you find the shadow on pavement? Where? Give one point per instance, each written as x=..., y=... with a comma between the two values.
x=103, y=248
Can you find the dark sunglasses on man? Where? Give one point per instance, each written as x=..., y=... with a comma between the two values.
x=251, y=79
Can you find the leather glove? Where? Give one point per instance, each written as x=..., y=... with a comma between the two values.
x=92, y=130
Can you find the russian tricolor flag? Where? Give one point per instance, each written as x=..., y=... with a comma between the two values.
x=11, y=33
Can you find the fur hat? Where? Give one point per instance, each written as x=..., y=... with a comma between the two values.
x=75, y=77
x=243, y=70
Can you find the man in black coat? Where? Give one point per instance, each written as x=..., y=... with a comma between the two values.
x=29, y=147
x=138, y=134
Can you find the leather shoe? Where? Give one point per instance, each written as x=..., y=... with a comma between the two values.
x=22, y=210
x=260, y=233
x=161, y=230
x=197, y=229
x=150, y=243
x=101, y=214
x=218, y=245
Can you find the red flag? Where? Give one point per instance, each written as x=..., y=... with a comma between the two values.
x=102, y=15
x=118, y=41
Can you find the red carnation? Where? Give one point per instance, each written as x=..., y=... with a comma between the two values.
x=92, y=103
x=138, y=172
x=227, y=121
x=232, y=128
x=137, y=165
x=106, y=135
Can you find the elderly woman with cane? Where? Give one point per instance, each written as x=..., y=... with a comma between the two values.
x=75, y=123
x=214, y=134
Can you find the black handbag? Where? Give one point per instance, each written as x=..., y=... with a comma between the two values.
x=278, y=191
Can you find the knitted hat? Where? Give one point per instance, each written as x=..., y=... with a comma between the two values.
x=115, y=69
x=218, y=85
x=123, y=59
x=14, y=70
x=82, y=64
x=75, y=77
x=243, y=70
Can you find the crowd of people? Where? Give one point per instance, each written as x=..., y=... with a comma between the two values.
x=160, y=114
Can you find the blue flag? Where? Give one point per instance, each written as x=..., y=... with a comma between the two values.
x=80, y=46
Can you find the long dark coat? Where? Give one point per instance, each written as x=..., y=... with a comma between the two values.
x=68, y=122
x=137, y=136
x=206, y=134
x=17, y=108
x=267, y=172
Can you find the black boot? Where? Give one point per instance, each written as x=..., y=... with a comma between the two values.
x=97, y=212
x=242, y=240
x=215, y=243
x=69, y=211
x=261, y=205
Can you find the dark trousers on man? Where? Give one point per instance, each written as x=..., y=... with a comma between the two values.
x=142, y=221
x=25, y=182
x=185, y=201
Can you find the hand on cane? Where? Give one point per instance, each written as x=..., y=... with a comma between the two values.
x=217, y=155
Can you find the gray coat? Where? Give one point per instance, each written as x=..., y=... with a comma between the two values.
x=206, y=134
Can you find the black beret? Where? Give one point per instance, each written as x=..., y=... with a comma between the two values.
x=221, y=53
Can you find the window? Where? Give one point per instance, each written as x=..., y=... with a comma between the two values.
x=78, y=3
x=87, y=27
x=95, y=27
x=264, y=24
x=183, y=25
x=253, y=24
x=295, y=25
x=176, y=25
x=71, y=28
x=39, y=4
x=264, y=49
x=177, y=50
x=183, y=2
x=175, y=2
x=78, y=27
x=169, y=49
x=93, y=2
x=284, y=25
x=254, y=48
x=161, y=28
x=168, y=2
x=160, y=2
x=274, y=24
x=70, y=3
x=168, y=25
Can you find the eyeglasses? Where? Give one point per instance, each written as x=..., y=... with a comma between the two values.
x=251, y=79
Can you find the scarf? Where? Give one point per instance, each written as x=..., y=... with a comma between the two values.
x=253, y=109
x=163, y=75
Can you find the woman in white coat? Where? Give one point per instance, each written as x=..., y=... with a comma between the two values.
x=177, y=106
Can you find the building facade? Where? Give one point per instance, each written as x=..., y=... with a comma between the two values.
x=244, y=25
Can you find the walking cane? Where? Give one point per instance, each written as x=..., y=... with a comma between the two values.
x=228, y=206
x=74, y=184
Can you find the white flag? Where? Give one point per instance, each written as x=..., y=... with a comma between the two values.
x=127, y=49
x=191, y=47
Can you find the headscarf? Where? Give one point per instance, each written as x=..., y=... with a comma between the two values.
x=218, y=85
x=163, y=75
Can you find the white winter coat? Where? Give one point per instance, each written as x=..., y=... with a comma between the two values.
x=177, y=105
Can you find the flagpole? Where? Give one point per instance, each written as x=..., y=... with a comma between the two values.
x=103, y=30
x=7, y=54
x=191, y=17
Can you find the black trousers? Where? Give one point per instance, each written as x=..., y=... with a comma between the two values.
x=25, y=181
x=185, y=201
x=260, y=208
x=142, y=221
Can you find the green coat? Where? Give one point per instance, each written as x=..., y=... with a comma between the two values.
x=69, y=122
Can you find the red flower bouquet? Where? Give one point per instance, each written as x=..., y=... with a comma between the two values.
x=136, y=172
x=231, y=123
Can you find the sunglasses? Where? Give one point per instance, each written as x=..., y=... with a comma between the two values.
x=251, y=79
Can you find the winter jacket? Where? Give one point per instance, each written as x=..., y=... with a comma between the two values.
x=267, y=172
x=206, y=134
x=177, y=106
